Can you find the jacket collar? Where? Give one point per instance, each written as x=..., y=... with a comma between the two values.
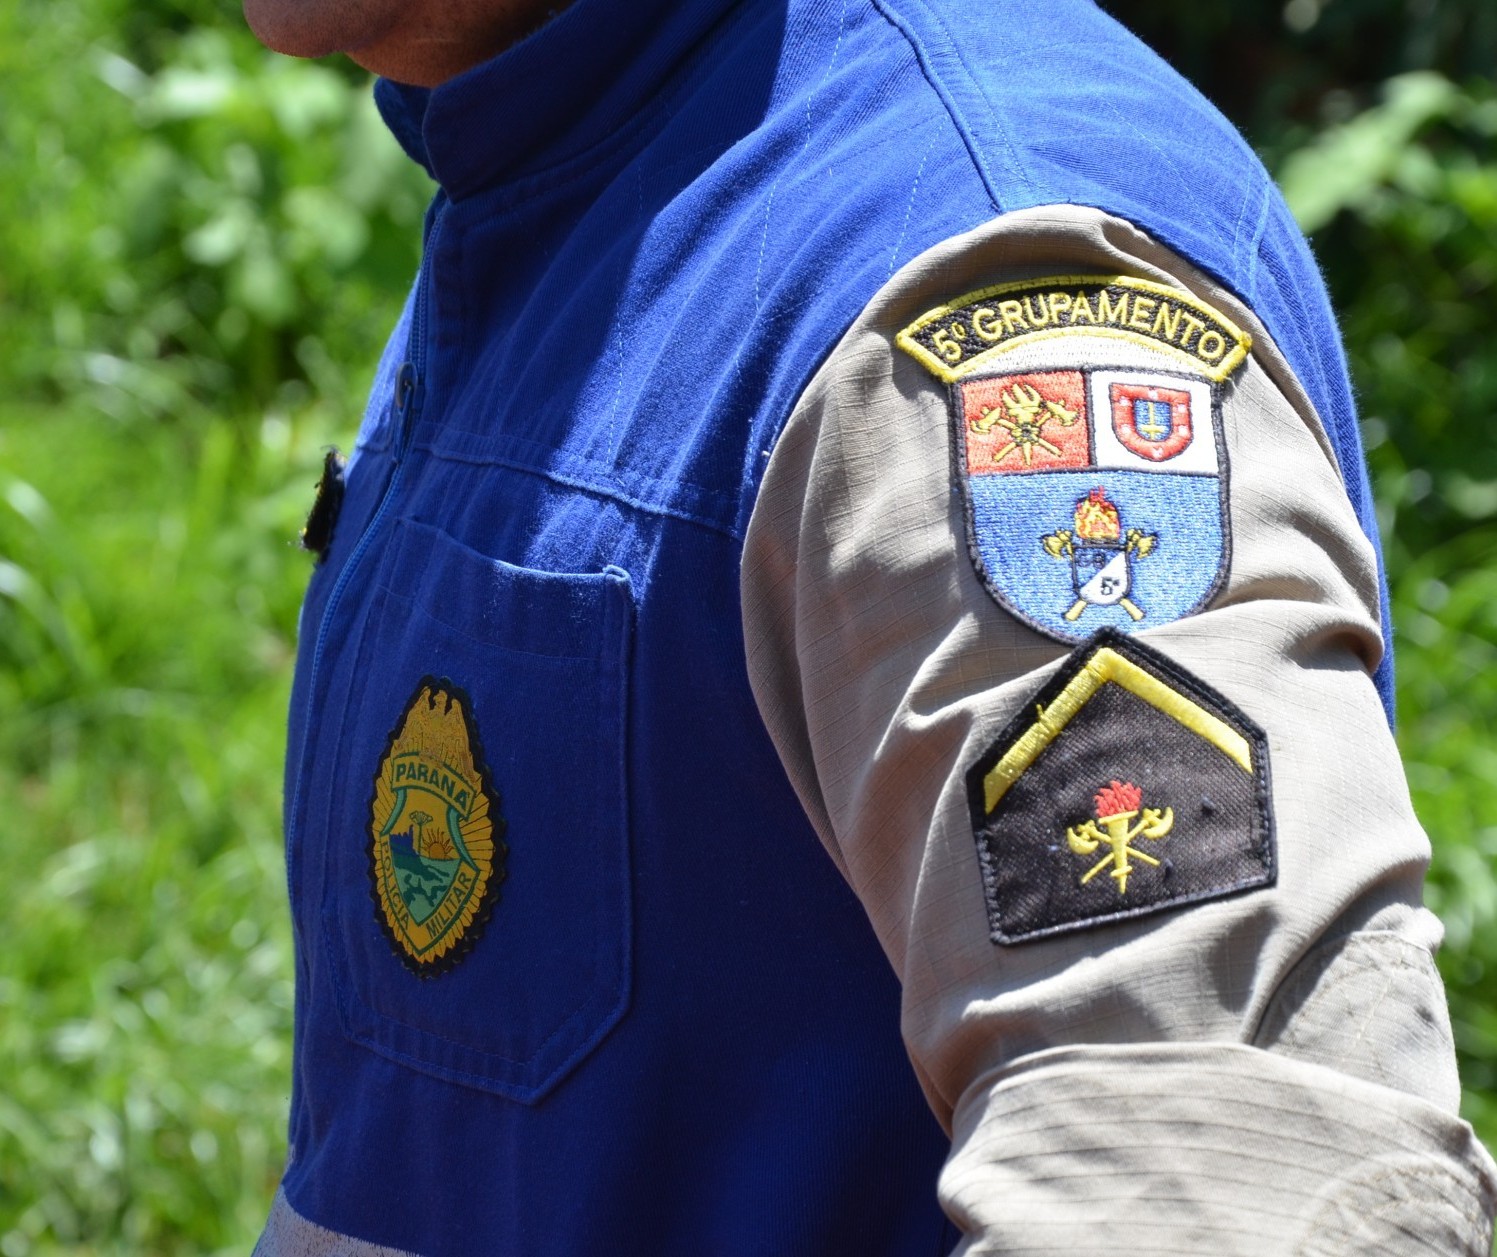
x=556, y=93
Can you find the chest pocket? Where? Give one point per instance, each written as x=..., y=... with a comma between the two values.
x=476, y=910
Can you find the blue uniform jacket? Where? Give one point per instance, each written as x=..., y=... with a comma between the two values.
x=667, y=1027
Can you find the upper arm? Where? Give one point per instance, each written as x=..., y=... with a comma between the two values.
x=922, y=577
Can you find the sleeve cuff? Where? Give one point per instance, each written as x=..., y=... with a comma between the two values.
x=1219, y=1148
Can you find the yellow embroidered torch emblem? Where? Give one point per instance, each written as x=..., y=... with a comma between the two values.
x=436, y=836
x=1115, y=827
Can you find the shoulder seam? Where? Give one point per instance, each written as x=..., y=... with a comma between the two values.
x=933, y=79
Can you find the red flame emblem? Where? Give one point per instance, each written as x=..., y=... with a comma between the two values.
x=1097, y=518
x=1118, y=797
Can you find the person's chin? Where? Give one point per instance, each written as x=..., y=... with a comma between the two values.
x=302, y=28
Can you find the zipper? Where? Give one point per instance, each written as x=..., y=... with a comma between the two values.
x=409, y=393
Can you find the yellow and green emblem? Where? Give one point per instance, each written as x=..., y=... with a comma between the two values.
x=436, y=836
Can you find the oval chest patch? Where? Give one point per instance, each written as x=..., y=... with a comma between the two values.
x=436, y=853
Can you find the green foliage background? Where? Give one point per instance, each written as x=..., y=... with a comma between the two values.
x=201, y=248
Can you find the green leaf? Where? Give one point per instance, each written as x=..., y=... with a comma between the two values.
x=1341, y=168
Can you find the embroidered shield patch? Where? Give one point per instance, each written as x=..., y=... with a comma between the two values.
x=1126, y=786
x=436, y=849
x=1095, y=497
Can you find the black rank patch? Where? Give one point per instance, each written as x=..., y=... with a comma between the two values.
x=317, y=532
x=1125, y=786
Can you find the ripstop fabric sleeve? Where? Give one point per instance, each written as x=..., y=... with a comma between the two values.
x=1258, y=1059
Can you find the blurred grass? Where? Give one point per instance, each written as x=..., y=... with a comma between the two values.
x=147, y=601
x=201, y=248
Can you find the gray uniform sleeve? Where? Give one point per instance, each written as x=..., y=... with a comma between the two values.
x=1267, y=1069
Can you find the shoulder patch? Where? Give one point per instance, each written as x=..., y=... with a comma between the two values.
x=956, y=339
x=436, y=838
x=1126, y=786
x=1096, y=493
x=1095, y=497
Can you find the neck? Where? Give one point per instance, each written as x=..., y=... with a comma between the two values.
x=425, y=52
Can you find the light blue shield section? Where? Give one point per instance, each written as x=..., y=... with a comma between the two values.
x=1011, y=514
